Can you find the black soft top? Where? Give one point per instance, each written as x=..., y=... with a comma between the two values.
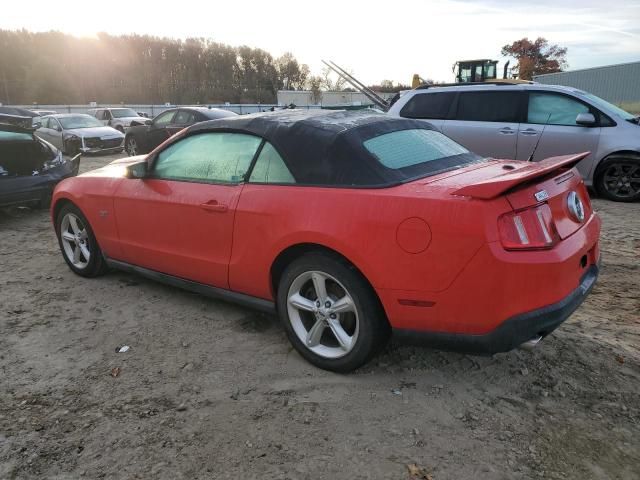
x=323, y=147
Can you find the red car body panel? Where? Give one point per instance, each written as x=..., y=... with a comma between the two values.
x=431, y=248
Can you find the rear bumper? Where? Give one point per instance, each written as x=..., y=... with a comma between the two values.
x=511, y=333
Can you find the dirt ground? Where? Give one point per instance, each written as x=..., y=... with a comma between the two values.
x=209, y=390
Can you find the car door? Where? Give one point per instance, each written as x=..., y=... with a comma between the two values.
x=159, y=129
x=179, y=219
x=486, y=122
x=550, y=123
x=434, y=107
x=54, y=133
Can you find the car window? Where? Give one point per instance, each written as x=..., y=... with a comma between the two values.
x=164, y=118
x=208, y=157
x=554, y=109
x=270, y=167
x=488, y=106
x=44, y=123
x=406, y=148
x=53, y=123
x=428, y=105
x=184, y=117
x=99, y=114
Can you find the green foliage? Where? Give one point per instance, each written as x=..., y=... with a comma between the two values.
x=55, y=68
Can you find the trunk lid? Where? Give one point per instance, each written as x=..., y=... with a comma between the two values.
x=527, y=184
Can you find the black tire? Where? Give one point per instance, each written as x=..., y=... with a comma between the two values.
x=96, y=265
x=618, y=178
x=372, y=327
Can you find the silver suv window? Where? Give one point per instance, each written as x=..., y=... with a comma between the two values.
x=434, y=106
x=492, y=106
x=554, y=109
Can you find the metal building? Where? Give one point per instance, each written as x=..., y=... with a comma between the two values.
x=618, y=84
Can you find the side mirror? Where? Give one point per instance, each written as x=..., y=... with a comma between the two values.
x=136, y=170
x=586, y=119
x=148, y=122
x=37, y=125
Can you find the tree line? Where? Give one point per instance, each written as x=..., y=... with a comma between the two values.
x=56, y=68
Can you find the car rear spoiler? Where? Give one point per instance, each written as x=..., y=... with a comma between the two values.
x=487, y=189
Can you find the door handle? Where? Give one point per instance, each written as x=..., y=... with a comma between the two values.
x=507, y=131
x=529, y=131
x=214, y=206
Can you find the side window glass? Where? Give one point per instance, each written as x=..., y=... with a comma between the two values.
x=184, y=118
x=164, y=118
x=270, y=167
x=554, y=109
x=53, y=123
x=208, y=157
x=44, y=123
x=428, y=105
x=489, y=106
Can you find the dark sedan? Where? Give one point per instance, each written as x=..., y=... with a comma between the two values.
x=29, y=167
x=144, y=138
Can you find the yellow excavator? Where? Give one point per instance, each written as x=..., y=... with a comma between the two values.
x=476, y=71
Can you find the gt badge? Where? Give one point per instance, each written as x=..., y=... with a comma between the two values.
x=541, y=196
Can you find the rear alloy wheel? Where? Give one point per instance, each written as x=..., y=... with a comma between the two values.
x=131, y=146
x=78, y=243
x=619, y=179
x=331, y=315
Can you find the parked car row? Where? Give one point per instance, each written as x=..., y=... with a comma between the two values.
x=535, y=121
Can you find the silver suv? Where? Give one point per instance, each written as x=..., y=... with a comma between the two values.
x=118, y=118
x=509, y=120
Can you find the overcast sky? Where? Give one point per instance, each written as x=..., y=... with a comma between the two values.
x=376, y=40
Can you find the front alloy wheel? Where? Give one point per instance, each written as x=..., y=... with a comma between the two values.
x=621, y=180
x=78, y=243
x=75, y=241
x=331, y=314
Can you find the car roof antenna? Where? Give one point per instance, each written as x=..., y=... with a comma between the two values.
x=533, y=152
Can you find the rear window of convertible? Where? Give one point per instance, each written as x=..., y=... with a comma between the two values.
x=418, y=152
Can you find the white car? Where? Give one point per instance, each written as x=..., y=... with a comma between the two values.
x=79, y=133
x=118, y=118
x=512, y=120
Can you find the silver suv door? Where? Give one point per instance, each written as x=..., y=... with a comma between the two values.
x=486, y=122
x=555, y=114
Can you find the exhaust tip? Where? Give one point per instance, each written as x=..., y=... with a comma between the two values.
x=532, y=343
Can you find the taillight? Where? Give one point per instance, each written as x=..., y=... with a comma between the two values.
x=528, y=229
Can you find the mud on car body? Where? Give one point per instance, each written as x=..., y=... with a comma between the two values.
x=30, y=167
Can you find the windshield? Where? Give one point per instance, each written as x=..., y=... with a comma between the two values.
x=123, y=112
x=604, y=105
x=417, y=153
x=79, y=121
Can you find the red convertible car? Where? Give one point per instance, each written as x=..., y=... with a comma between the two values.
x=351, y=226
